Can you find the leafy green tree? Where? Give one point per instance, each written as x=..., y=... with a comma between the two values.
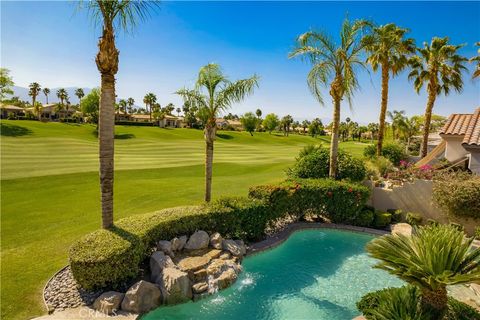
x=6, y=83
x=305, y=125
x=271, y=122
x=213, y=94
x=249, y=122
x=169, y=108
x=258, y=113
x=395, y=117
x=91, y=104
x=388, y=49
x=440, y=67
x=431, y=258
x=34, y=91
x=408, y=128
x=373, y=128
x=334, y=66
x=46, y=92
x=316, y=127
x=123, y=105
x=112, y=15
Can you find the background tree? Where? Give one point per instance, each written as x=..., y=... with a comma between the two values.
x=46, y=92
x=213, y=94
x=258, y=112
x=373, y=129
x=91, y=105
x=169, y=108
x=315, y=128
x=123, y=105
x=285, y=123
x=334, y=66
x=112, y=15
x=389, y=50
x=249, y=122
x=178, y=111
x=150, y=99
x=6, y=83
x=408, y=128
x=271, y=122
x=62, y=95
x=305, y=124
x=130, y=103
x=80, y=94
x=34, y=91
x=396, y=117
x=440, y=67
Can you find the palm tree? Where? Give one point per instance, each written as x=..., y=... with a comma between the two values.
x=150, y=99
x=80, y=94
x=178, y=111
x=333, y=66
x=286, y=122
x=396, y=117
x=112, y=15
x=305, y=124
x=46, y=92
x=432, y=258
x=33, y=92
x=387, y=49
x=476, y=73
x=373, y=128
x=130, y=102
x=258, y=113
x=62, y=95
x=439, y=66
x=213, y=94
x=409, y=127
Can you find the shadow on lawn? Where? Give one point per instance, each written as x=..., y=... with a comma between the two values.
x=12, y=130
x=224, y=136
x=119, y=136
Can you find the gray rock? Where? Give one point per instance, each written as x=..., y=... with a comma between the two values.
x=108, y=302
x=243, y=247
x=198, y=240
x=179, y=243
x=158, y=262
x=166, y=247
x=233, y=247
x=176, y=286
x=142, y=297
x=216, y=241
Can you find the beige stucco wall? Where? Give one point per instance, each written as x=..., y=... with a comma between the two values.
x=415, y=197
x=474, y=164
x=454, y=149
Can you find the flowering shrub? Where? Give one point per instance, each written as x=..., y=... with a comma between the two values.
x=408, y=172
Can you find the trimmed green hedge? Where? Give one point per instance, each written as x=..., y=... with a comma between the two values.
x=109, y=258
x=339, y=201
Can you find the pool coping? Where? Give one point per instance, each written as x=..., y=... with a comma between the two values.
x=280, y=237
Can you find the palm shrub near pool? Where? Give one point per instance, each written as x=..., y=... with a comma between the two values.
x=432, y=258
x=339, y=201
x=314, y=161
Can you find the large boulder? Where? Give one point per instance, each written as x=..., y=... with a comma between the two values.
x=166, y=247
x=216, y=241
x=235, y=248
x=142, y=297
x=158, y=262
x=198, y=240
x=108, y=302
x=179, y=243
x=192, y=264
x=176, y=286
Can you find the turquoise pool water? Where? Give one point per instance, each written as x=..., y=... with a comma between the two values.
x=315, y=274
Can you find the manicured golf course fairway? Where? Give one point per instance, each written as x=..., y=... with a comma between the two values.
x=50, y=190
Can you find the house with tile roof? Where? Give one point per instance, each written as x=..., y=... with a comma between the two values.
x=461, y=134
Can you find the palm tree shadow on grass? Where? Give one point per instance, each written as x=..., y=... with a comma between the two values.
x=12, y=130
x=118, y=136
x=224, y=136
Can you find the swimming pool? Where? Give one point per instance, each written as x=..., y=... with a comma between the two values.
x=315, y=274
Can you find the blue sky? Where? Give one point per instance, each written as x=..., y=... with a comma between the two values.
x=50, y=43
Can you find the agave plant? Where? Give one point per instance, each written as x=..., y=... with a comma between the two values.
x=431, y=259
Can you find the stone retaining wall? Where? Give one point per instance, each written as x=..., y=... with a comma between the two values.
x=416, y=197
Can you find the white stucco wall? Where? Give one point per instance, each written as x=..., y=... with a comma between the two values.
x=454, y=149
x=474, y=164
x=416, y=197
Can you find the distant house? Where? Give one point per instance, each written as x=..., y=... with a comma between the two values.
x=461, y=134
x=122, y=116
x=7, y=109
x=170, y=121
x=52, y=111
x=140, y=117
x=228, y=124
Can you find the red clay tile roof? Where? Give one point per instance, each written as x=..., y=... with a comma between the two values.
x=467, y=125
x=472, y=135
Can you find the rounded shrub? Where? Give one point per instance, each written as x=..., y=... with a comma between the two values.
x=364, y=218
x=394, y=152
x=397, y=215
x=413, y=218
x=314, y=162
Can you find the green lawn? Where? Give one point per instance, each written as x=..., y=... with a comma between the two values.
x=50, y=193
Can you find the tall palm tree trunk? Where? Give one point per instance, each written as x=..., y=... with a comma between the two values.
x=428, y=118
x=383, y=108
x=209, y=139
x=334, y=140
x=435, y=302
x=107, y=64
